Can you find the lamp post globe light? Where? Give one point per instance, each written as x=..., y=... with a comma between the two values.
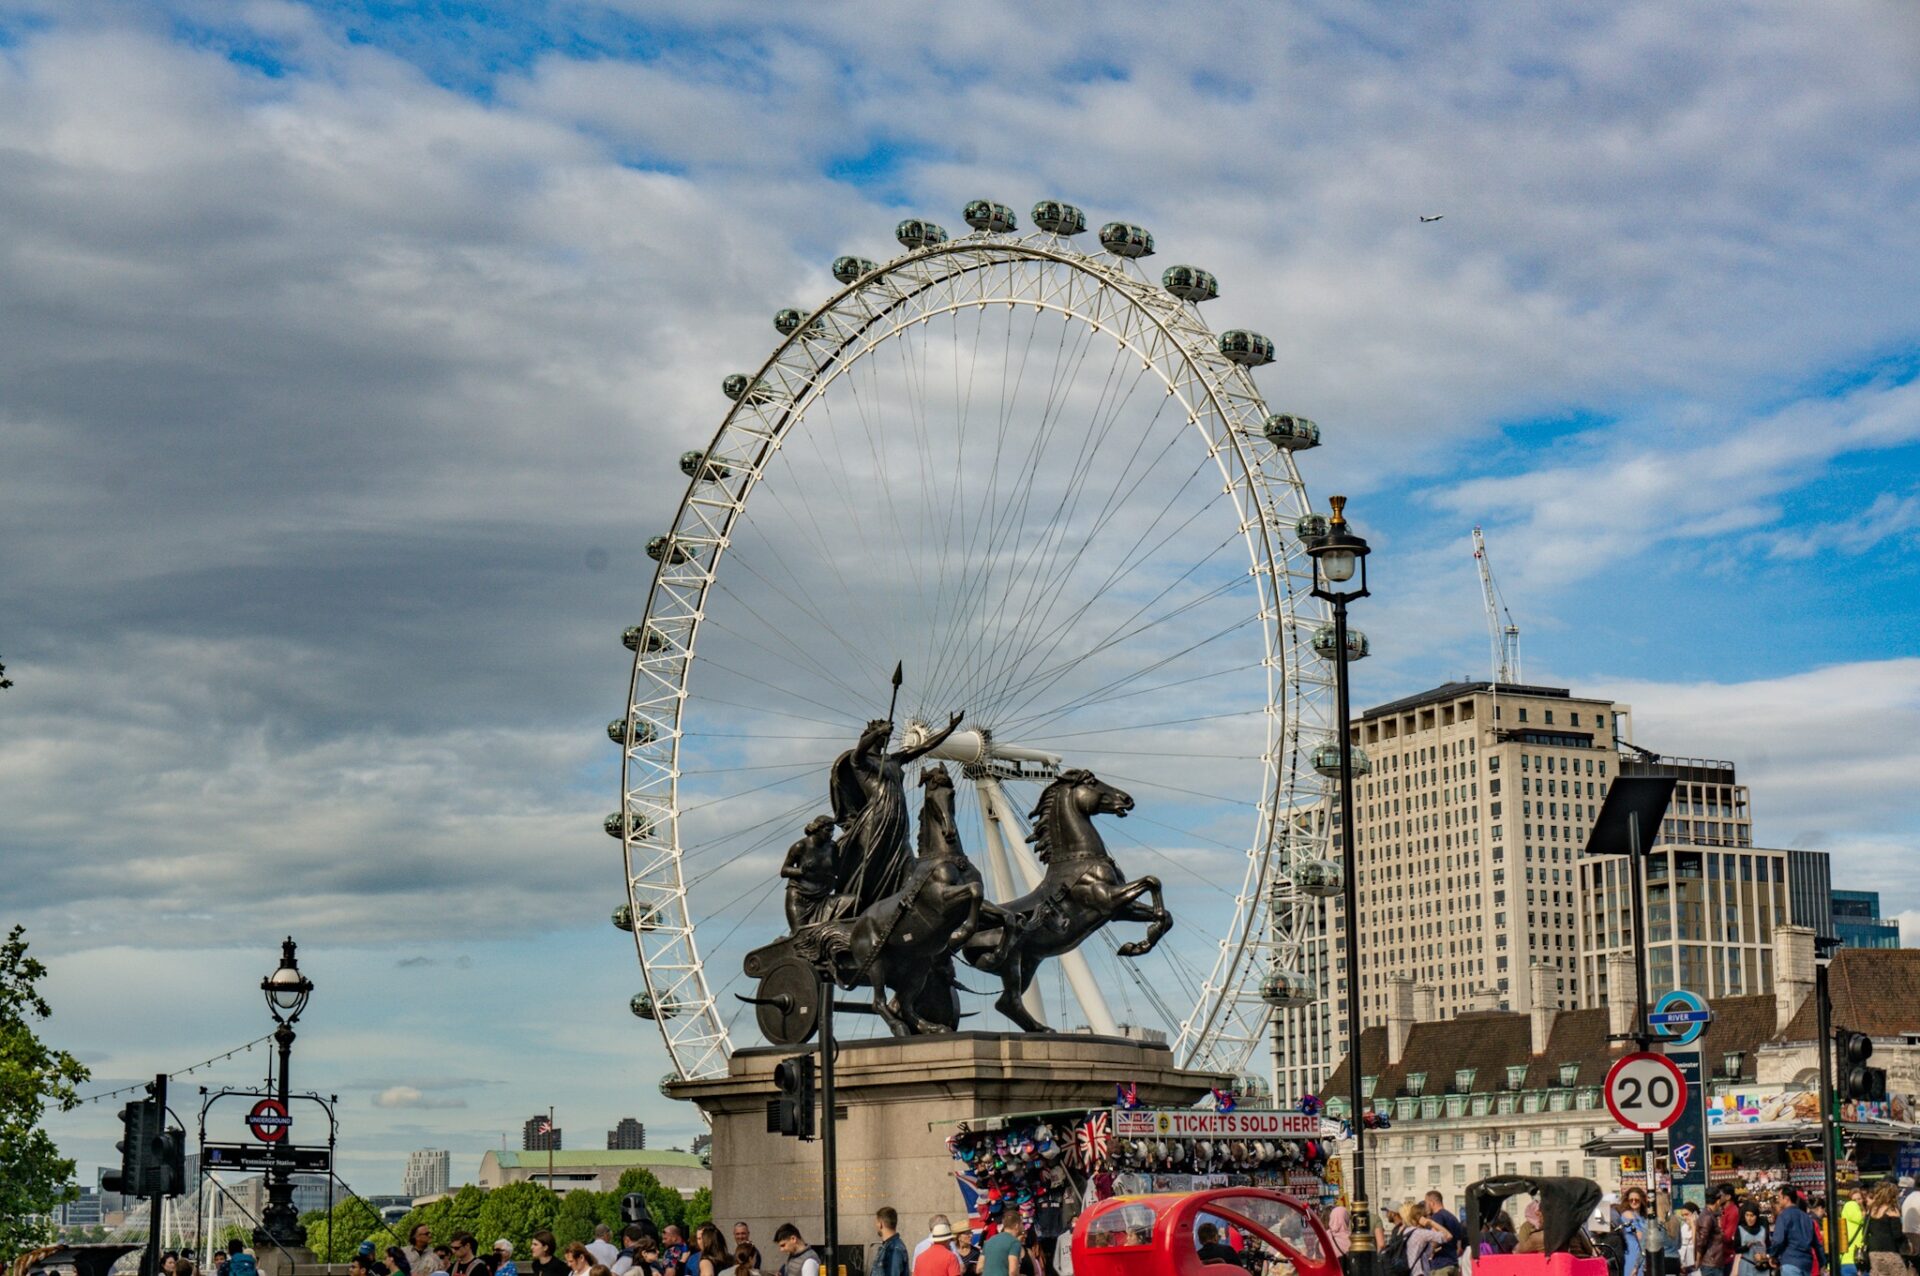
x=287, y=991
x=1337, y=557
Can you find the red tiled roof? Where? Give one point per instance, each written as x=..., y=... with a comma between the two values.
x=1874, y=990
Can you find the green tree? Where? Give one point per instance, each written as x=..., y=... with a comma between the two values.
x=665, y=1204
x=578, y=1212
x=516, y=1212
x=34, y=1177
x=700, y=1207
x=333, y=1238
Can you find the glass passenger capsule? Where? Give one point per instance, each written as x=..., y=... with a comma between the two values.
x=984, y=214
x=1310, y=527
x=615, y=825
x=667, y=1080
x=1190, y=283
x=1290, y=432
x=1248, y=349
x=643, y=1007
x=848, y=269
x=1287, y=989
x=661, y=549
x=620, y=731
x=742, y=388
x=1123, y=239
x=1321, y=879
x=788, y=322
x=1057, y=218
x=713, y=471
x=1325, y=644
x=1326, y=760
x=631, y=639
x=914, y=233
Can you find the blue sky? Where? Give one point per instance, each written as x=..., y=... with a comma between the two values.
x=349, y=346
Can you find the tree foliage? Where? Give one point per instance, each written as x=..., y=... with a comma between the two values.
x=34, y=1177
x=333, y=1238
x=700, y=1207
x=516, y=1212
x=665, y=1204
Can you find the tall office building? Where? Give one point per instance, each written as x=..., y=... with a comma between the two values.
x=1857, y=922
x=1469, y=820
x=539, y=1133
x=628, y=1136
x=428, y=1173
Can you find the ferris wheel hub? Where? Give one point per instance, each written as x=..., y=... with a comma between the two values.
x=975, y=749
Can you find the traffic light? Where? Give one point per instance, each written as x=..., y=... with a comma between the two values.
x=140, y=1124
x=1858, y=1082
x=172, y=1170
x=794, y=1079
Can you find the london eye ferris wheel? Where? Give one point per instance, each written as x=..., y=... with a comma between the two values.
x=1029, y=473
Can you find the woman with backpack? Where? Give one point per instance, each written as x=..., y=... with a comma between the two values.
x=1423, y=1242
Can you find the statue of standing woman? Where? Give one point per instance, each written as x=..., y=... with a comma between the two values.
x=870, y=806
x=811, y=869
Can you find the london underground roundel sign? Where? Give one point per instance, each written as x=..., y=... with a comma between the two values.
x=269, y=1121
x=1645, y=1092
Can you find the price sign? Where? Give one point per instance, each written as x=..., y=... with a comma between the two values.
x=1645, y=1092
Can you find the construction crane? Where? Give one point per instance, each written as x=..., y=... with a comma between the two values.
x=1505, y=639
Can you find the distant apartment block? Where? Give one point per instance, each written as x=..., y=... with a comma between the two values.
x=628, y=1136
x=428, y=1173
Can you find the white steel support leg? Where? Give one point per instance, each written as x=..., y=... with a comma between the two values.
x=1079, y=974
x=998, y=838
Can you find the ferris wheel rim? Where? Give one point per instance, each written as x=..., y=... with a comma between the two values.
x=1224, y=387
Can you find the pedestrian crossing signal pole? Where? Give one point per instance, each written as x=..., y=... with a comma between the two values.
x=829, y=1155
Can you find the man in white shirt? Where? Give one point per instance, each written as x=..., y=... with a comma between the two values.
x=602, y=1247
x=938, y=1223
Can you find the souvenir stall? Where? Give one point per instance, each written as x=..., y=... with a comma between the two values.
x=1761, y=1144
x=1048, y=1166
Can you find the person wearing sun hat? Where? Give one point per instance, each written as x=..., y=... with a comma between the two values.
x=938, y=1258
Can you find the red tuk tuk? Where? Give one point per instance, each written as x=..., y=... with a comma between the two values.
x=1159, y=1235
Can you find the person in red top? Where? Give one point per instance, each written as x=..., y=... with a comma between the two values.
x=937, y=1258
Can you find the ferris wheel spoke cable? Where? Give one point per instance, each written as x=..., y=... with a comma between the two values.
x=1046, y=678
x=806, y=662
x=1141, y=726
x=1053, y=588
x=1086, y=701
x=1089, y=700
x=861, y=657
x=1007, y=651
x=1011, y=516
x=1114, y=685
x=1036, y=585
x=1067, y=626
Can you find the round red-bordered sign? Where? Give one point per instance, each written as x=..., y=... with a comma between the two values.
x=269, y=1121
x=1645, y=1092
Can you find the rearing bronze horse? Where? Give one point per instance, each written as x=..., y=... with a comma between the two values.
x=1082, y=891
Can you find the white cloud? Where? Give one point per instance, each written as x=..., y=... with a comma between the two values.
x=1829, y=755
x=406, y=1096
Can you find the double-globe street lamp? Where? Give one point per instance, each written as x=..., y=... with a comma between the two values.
x=287, y=991
x=1337, y=556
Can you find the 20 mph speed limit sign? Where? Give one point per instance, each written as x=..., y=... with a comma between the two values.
x=1645, y=1092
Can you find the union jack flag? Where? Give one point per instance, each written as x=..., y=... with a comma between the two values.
x=1126, y=1095
x=1224, y=1101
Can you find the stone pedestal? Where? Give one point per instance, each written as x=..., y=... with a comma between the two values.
x=899, y=1099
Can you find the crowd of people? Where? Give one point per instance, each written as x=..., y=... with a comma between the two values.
x=1780, y=1233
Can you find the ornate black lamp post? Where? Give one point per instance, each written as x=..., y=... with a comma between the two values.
x=287, y=991
x=1337, y=556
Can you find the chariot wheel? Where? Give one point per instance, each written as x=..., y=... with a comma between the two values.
x=1031, y=473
